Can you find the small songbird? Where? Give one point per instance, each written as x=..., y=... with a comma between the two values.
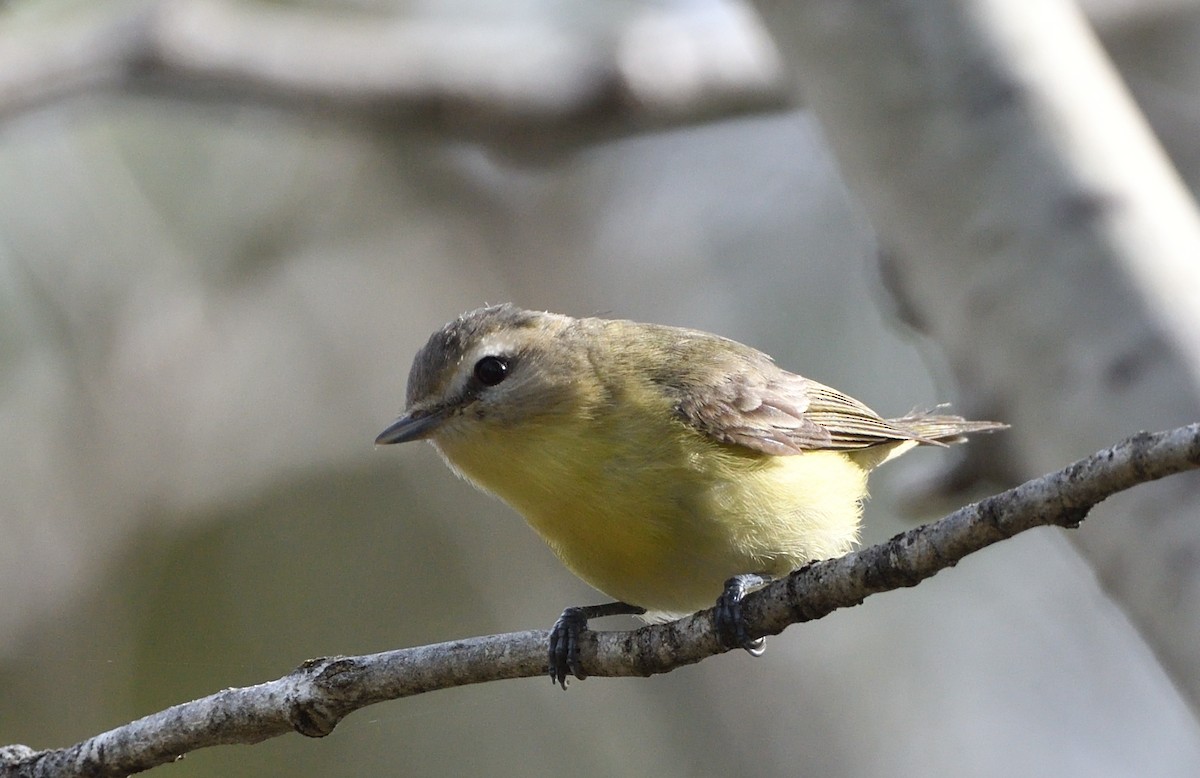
x=669, y=468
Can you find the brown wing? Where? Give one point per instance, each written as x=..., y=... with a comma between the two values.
x=785, y=414
x=748, y=409
x=738, y=395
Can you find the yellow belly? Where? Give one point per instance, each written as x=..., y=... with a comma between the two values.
x=662, y=518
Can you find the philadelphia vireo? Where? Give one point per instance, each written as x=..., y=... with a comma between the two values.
x=668, y=468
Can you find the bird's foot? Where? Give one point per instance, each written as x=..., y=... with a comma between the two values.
x=565, y=636
x=730, y=621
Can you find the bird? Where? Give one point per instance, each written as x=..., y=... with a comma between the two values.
x=669, y=468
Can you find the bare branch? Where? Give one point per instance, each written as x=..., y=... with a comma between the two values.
x=321, y=692
x=656, y=67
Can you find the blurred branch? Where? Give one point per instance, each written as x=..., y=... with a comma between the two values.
x=316, y=696
x=1037, y=232
x=1109, y=15
x=657, y=66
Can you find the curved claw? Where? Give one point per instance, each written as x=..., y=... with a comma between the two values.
x=564, y=637
x=731, y=622
x=564, y=646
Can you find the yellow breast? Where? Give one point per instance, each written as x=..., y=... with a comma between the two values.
x=661, y=517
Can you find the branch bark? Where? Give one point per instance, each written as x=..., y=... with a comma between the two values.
x=320, y=693
x=656, y=67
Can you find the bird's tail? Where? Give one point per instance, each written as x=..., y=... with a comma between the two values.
x=941, y=429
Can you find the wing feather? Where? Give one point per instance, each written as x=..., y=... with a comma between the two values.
x=738, y=395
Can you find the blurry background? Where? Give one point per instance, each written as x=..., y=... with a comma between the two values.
x=209, y=307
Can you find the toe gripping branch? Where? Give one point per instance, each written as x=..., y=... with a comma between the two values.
x=563, y=657
x=564, y=637
x=731, y=622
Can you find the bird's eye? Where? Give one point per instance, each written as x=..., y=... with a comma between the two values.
x=490, y=371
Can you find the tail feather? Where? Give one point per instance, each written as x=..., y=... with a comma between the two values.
x=940, y=429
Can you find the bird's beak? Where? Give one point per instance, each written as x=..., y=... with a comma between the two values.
x=414, y=425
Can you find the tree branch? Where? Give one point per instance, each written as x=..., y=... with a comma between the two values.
x=656, y=67
x=316, y=696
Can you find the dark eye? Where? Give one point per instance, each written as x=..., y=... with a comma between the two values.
x=490, y=371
